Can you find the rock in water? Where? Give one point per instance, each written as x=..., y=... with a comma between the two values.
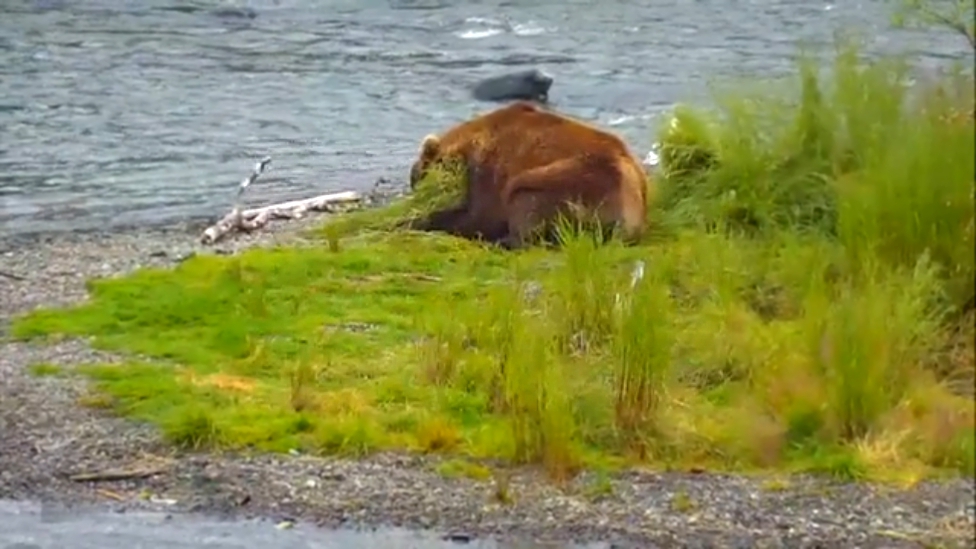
x=530, y=85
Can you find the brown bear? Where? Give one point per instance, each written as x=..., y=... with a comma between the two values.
x=526, y=165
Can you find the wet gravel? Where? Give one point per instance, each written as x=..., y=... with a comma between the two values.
x=45, y=437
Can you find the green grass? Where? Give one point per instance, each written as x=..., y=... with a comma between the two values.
x=806, y=305
x=442, y=187
x=45, y=369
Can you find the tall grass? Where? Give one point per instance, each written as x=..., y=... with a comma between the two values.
x=857, y=155
x=879, y=173
x=641, y=348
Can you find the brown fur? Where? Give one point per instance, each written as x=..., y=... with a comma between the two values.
x=525, y=166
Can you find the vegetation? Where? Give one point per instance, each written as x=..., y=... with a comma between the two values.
x=956, y=15
x=806, y=304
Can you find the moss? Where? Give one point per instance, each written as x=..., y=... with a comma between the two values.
x=45, y=369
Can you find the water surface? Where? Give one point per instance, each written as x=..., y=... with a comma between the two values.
x=150, y=111
x=33, y=526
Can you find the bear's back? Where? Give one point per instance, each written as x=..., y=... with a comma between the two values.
x=522, y=135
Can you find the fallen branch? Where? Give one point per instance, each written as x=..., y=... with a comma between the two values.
x=110, y=494
x=117, y=474
x=256, y=218
x=13, y=276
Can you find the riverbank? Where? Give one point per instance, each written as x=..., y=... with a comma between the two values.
x=48, y=436
x=802, y=304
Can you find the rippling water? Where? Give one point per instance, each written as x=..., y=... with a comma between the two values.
x=150, y=111
x=32, y=526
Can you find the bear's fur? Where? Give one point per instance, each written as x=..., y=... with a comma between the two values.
x=525, y=165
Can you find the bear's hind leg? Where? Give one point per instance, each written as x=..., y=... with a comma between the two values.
x=530, y=215
x=582, y=191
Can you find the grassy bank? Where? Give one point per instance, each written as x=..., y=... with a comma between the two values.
x=806, y=304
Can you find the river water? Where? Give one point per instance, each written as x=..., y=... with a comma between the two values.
x=30, y=526
x=118, y=112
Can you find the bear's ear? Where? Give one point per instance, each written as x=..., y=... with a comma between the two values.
x=429, y=147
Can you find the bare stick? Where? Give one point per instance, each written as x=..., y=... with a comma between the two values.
x=256, y=218
x=12, y=276
x=296, y=208
x=110, y=494
x=117, y=474
x=233, y=219
x=255, y=174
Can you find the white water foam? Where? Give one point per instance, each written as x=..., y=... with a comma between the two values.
x=483, y=27
x=476, y=34
x=529, y=29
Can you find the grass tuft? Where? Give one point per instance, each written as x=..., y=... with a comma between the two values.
x=45, y=369
x=442, y=187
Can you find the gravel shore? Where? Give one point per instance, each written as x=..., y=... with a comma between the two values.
x=45, y=437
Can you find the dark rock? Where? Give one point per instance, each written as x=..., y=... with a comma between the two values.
x=529, y=85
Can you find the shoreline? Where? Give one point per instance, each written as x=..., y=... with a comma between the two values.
x=48, y=436
x=68, y=259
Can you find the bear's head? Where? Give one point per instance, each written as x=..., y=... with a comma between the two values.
x=430, y=149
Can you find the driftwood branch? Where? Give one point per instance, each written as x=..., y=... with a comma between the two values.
x=256, y=218
x=13, y=276
x=117, y=474
x=110, y=494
